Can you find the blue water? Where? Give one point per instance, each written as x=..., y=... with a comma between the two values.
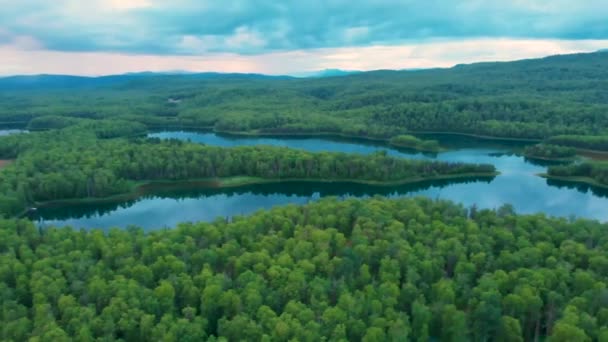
x=4, y=132
x=518, y=185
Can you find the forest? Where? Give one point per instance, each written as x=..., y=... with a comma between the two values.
x=411, y=142
x=77, y=163
x=531, y=99
x=591, y=172
x=549, y=152
x=598, y=143
x=369, y=270
x=336, y=269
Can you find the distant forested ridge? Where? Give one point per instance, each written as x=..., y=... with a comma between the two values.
x=356, y=270
x=529, y=99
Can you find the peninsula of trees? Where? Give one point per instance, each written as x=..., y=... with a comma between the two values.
x=74, y=163
x=411, y=142
x=550, y=152
x=592, y=173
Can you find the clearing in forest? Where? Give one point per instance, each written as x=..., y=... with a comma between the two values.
x=4, y=163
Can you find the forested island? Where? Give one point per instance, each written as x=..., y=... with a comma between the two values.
x=411, y=142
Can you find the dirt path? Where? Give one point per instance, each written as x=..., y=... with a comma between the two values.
x=4, y=162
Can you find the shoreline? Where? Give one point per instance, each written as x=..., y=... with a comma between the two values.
x=478, y=136
x=420, y=150
x=255, y=134
x=297, y=134
x=593, y=154
x=547, y=159
x=154, y=128
x=414, y=148
x=144, y=188
x=580, y=152
x=576, y=180
x=343, y=135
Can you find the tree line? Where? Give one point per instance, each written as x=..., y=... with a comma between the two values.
x=590, y=142
x=593, y=171
x=88, y=167
x=534, y=99
x=412, y=142
x=548, y=151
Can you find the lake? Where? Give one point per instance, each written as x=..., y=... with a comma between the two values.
x=4, y=132
x=518, y=184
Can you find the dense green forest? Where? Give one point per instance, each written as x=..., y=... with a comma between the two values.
x=76, y=163
x=591, y=172
x=530, y=99
x=599, y=143
x=414, y=143
x=549, y=152
x=370, y=270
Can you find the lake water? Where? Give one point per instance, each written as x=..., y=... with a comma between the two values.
x=518, y=184
x=4, y=132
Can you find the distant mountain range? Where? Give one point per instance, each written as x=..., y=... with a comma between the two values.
x=69, y=81
x=44, y=81
x=327, y=73
x=32, y=82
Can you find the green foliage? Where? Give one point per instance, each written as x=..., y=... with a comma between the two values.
x=369, y=270
x=409, y=141
x=51, y=122
x=107, y=129
x=598, y=143
x=547, y=151
x=526, y=99
x=107, y=167
x=595, y=171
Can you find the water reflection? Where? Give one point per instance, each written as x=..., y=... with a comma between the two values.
x=303, y=190
x=580, y=187
x=5, y=132
x=518, y=184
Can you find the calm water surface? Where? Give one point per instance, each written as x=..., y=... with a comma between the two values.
x=4, y=132
x=517, y=185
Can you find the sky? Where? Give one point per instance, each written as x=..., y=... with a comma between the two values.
x=100, y=37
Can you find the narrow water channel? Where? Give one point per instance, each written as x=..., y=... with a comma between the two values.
x=518, y=185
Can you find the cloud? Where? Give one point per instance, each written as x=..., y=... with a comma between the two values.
x=17, y=60
x=125, y=5
x=354, y=34
x=244, y=37
x=194, y=27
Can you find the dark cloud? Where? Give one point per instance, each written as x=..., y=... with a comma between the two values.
x=254, y=26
